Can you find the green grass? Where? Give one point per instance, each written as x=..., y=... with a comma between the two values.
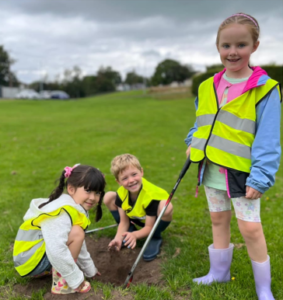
x=40, y=138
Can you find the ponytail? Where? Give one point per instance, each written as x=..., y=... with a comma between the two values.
x=58, y=191
x=98, y=210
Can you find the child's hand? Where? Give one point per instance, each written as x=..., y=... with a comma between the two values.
x=97, y=274
x=188, y=151
x=252, y=193
x=130, y=239
x=115, y=244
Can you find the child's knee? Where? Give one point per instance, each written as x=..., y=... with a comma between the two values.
x=250, y=230
x=77, y=233
x=109, y=199
x=220, y=218
x=169, y=210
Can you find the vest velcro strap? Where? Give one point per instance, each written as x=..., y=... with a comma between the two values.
x=230, y=146
x=236, y=122
x=204, y=120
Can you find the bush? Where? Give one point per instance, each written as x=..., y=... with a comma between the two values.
x=198, y=79
x=275, y=72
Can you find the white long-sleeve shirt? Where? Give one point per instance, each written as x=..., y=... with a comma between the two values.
x=55, y=232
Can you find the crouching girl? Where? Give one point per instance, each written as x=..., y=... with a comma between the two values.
x=52, y=239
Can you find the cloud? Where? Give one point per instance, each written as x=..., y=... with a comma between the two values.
x=50, y=36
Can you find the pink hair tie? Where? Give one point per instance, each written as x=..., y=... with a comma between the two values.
x=243, y=16
x=68, y=171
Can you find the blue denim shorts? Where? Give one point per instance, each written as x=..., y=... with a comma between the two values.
x=43, y=266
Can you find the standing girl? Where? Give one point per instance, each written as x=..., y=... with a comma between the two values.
x=236, y=141
x=52, y=235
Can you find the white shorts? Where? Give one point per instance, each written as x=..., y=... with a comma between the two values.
x=245, y=209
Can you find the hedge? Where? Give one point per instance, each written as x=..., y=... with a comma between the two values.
x=275, y=72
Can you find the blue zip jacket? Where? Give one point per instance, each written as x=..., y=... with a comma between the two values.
x=266, y=149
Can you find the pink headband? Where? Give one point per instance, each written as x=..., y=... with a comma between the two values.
x=68, y=171
x=243, y=16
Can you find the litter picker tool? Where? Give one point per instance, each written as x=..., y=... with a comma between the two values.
x=130, y=275
x=101, y=228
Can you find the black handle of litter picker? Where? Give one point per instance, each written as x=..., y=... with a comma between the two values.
x=185, y=167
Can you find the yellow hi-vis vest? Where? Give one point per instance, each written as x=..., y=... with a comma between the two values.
x=29, y=247
x=225, y=135
x=148, y=193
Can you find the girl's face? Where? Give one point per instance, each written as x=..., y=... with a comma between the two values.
x=235, y=48
x=87, y=199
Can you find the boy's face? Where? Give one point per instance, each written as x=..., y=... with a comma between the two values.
x=131, y=179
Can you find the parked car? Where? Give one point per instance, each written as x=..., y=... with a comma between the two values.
x=28, y=94
x=45, y=94
x=59, y=95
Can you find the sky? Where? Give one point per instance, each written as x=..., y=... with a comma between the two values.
x=46, y=37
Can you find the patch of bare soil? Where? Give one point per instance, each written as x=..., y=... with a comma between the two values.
x=114, y=268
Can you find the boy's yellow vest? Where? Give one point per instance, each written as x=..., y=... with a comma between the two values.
x=29, y=247
x=148, y=193
x=225, y=135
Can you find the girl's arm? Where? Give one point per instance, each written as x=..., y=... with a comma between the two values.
x=86, y=263
x=55, y=232
x=266, y=150
x=188, y=139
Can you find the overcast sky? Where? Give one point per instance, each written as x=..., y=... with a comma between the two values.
x=49, y=36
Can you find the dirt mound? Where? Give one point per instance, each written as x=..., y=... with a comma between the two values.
x=113, y=266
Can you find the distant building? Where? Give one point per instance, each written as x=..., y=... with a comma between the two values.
x=9, y=92
x=126, y=87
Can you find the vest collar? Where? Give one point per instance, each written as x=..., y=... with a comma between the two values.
x=64, y=199
x=258, y=77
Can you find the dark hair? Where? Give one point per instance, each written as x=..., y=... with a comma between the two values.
x=81, y=176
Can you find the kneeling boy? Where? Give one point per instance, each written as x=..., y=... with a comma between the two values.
x=136, y=202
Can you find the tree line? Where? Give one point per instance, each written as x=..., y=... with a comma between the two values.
x=105, y=80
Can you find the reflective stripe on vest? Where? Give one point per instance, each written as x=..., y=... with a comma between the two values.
x=29, y=247
x=148, y=193
x=225, y=135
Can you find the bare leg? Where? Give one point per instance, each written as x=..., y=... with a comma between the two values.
x=109, y=201
x=75, y=241
x=252, y=233
x=168, y=212
x=221, y=229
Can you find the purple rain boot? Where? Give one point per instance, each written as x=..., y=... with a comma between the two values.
x=262, y=278
x=220, y=262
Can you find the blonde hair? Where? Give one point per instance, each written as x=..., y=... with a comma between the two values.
x=243, y=19
x=122, y=162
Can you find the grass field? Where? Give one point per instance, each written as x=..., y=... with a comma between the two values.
x=40, y=138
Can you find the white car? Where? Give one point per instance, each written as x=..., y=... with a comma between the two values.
x=28, y=94
x=45, y=95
